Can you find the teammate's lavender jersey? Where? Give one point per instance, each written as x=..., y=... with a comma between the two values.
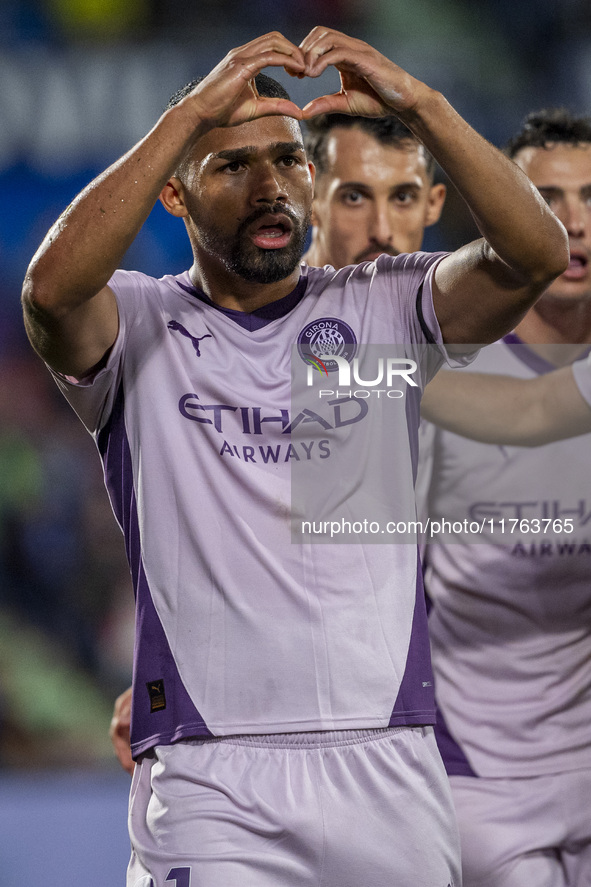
x=238, y=629
x=511, y=623
x=582, y=374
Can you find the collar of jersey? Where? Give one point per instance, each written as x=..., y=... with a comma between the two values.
x=254, y=320
x=530, y=358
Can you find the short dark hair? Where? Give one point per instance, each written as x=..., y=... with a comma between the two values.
x=386, y=130
x=266, y=86
x=550, y=126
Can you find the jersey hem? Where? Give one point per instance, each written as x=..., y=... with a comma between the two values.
x=201, y=731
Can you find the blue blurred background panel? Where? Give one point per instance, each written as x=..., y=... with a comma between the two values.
x=63, y=830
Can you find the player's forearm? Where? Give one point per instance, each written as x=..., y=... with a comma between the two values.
x=503, y=201
x=506, y=411
x=86, y=244
x=481, y=407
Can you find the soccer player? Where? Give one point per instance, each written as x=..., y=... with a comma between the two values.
x=282, y=695
x=373, y=193
x=511, y=615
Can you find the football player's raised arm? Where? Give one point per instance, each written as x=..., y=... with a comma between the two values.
x=70, y=313
x=507, y=411
x=482, y=290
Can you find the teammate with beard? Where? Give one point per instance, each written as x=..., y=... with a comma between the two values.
x=282, y=703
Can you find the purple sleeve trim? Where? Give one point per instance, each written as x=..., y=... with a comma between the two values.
x=415, y=703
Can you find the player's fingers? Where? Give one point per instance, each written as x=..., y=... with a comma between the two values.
x=271, y=58
x=273, y=39
x=337, y=103
x=361, y=62
x=323, y=41
x=279, y=107
x=123, y=753
x=264, y=107
x=321, y=36
x=121, y=740
x=315, y=45
x=285, y=53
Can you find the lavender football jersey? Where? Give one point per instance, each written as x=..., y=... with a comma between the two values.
x=239, y=630
x=511, y=618
x=582, y=374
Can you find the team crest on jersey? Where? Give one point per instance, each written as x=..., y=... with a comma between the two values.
x=327, y=336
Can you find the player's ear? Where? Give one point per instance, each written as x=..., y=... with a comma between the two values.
x=172, y=198
x=436, y=200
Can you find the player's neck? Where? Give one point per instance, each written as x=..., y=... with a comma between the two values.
x=557, y=332
x=314, y=258
x=317, y=254
x=230, y=291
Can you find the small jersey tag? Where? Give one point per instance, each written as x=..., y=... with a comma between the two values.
x=157, y=697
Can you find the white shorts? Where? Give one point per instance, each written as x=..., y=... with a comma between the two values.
x=531, y=832
x=367, y=808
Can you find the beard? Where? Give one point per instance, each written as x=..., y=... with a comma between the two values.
x=253, y=263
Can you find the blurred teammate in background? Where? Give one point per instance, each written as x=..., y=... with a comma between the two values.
x=510, y=623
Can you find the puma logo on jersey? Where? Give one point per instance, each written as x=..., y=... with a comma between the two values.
x=156, y=694
x=179, y=328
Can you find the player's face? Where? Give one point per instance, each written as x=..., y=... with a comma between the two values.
x=372, y=199
x=248, y=195
x=562, y=174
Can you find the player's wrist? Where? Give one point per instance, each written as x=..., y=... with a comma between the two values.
x=188, y=120
x=421, y=107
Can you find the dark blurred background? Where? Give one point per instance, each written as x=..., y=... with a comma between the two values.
x=80, y=82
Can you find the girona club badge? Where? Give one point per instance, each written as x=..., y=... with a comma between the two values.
x=327, y=336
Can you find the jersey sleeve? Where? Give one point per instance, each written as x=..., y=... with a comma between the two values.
x=92, y=396
x=427, y=319
x=411, y=287
x=582, y=373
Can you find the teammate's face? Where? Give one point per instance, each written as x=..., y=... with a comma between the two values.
x=562, y=174
x=372, y=199
x=248, y=194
